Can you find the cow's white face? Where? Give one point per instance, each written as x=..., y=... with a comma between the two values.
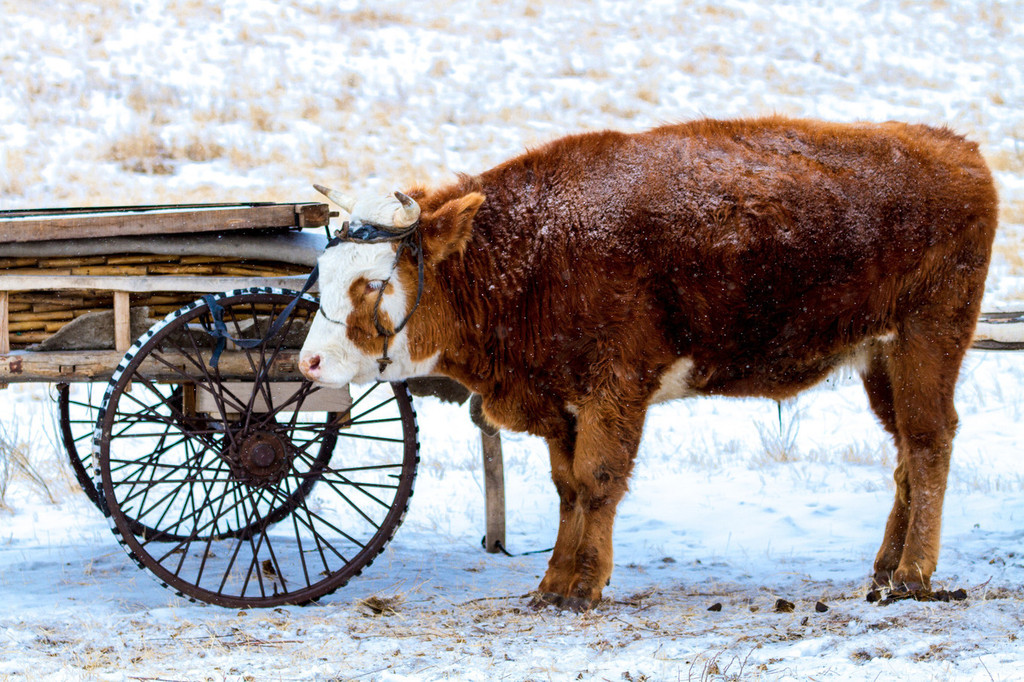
x=343, y=344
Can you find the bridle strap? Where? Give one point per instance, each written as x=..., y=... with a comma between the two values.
x=416, y=249
x=372, y=234
x=220, y=330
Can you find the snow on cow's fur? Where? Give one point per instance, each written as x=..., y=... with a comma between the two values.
x=577, y=284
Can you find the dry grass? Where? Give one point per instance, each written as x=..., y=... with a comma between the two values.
x=779, y=438
x=367, y=110
x=19, y=461
x=1012, y=213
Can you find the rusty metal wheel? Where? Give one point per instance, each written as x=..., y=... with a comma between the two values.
x=263, y=489
x=76, y=416
x=77, y=411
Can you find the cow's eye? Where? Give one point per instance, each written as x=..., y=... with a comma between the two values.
x=374, y=285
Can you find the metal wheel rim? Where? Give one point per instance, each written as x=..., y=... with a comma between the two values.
x=75, y=432
x=79, y=432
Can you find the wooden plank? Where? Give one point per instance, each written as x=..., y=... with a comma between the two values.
x=494, y=491
x=122, y=321
x=48, y=272
x=178, y=270
x=5, y=342
x=27, y=226
x=1000, y=331
x=25, y=262
x=144, y=284
x=55, y=366
x=44, y=302
x=29, y=337
x=322, y=400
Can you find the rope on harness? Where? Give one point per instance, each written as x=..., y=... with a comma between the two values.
x=501, y=548
x=363, y=233
x=220, y=329
x=416, y=250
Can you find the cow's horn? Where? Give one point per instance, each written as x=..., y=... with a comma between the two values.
x=346, y=202
x=409, y=213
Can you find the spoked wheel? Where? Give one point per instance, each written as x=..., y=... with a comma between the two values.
x=76, y=415
x=262, y=489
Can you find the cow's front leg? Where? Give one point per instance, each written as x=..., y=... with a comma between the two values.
x=591, y=473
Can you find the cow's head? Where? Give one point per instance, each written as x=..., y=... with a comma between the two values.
x=370, y=284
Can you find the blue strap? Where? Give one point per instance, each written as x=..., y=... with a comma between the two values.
x=220, y=330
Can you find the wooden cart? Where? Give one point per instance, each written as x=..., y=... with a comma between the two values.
x=233, y=481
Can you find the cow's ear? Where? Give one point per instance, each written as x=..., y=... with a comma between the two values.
x=447, y=230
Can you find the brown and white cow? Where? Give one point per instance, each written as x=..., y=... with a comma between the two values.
x=579, y=283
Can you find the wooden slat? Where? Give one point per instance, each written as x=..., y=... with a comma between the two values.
x=143, y=284
x=110, y=271
x=50, y=302
x=122, y=321
x=142, y=259
x=178, y=270
x=55, y=366
x=27, y=262
x=26, y=325
x=48, y=272
x=1000, y=331
x=494, y=491
x=324, y=400
x=5, y=342
x=27, y=226
x=25, y=338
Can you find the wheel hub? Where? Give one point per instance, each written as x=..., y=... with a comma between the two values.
x=261, y=458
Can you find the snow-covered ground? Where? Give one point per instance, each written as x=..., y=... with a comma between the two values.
x=732, y=502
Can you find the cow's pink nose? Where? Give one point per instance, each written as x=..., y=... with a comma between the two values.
x=310, y=367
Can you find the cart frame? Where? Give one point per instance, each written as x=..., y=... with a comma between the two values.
x=35, y=231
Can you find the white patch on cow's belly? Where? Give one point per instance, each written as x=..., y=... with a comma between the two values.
x=675, y=382
x=858, y=359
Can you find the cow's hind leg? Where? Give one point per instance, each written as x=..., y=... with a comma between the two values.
x=921, y=366
x=591, y=473
x=879, y=390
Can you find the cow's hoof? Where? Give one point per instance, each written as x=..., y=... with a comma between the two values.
x=542, y=600
x=881, y=579
x=902, y=592
x=578, y=604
